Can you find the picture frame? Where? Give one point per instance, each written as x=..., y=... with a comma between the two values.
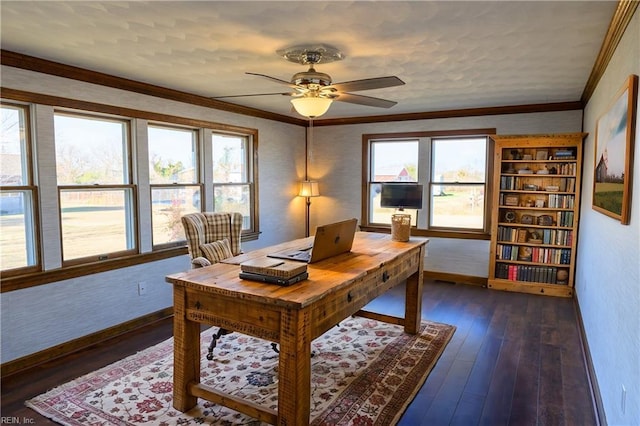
x=613, y=160
x=542, y=154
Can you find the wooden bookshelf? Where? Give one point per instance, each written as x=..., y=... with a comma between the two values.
x=534, y=219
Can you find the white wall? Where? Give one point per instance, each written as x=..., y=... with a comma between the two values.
x=608, y=263
x=336, y=162
x=36, y=318
x=40, y=317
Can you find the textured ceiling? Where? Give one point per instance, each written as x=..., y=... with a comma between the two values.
x=451, y=55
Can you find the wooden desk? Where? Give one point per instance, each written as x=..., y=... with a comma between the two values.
x=292, y=316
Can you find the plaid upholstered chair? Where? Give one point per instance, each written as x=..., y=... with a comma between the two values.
x=212, y=237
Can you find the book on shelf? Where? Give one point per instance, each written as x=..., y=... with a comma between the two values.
x=276, y=268
x=274, y=280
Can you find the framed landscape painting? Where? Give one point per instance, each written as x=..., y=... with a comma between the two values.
x=615, y=131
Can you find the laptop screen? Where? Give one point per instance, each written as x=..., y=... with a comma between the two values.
x=333, y=239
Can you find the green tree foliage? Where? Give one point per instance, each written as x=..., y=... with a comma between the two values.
x=168, y=169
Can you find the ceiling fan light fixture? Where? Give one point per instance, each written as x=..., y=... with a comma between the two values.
x=311, y=107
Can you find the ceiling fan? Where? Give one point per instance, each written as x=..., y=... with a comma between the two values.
x=313, y=91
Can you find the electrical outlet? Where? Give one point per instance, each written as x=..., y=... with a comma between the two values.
x=624, y=399
x=142, y=288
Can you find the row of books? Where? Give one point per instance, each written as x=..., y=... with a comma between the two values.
x=559, y=237
x=568, y=169
x=561, y=201
x=510, y=182
x=273, y=271
x=568, y=185
x=506, y=233
x=549, y=236
x=564, y=154
x=528, y=253
x=564, y=184
x=564, y=219
x=540, y=274
x=549, y=255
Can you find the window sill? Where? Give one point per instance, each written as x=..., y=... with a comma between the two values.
x=33, y=279
x=45, y=277
x=431, y=233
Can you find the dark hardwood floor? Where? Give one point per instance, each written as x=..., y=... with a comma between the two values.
x=515, y=359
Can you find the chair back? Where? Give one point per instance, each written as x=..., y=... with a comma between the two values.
x=208, y=227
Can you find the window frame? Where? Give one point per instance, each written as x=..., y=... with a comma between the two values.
x=369, y=185
x=197, y=181
x=251, y=170
x=485, y=184
x=128, y=186
x=31, y=187
x=425, y=178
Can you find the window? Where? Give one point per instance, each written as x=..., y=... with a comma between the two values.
x=451, y=166
x=97, y=211
x=17, y=193
x=391, y=161
x=94, y=164
x=233, y=185
x=458, y=182
x=174, y=177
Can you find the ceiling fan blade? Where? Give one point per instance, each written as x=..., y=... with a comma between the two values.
x=277, y=80
x=364, y=100
x=368, y=84
x=255, y=94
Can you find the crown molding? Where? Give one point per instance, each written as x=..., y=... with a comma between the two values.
x=619, y=22
x=31, y=63
x=453, y=113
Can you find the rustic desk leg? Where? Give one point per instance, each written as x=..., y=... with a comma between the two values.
x=413, y=301
x=186, y=352
x=294, y=387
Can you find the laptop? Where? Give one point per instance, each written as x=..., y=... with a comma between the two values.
x=330, y=240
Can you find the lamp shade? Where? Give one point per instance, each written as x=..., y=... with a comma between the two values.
x=311, y=107
x=309, y=188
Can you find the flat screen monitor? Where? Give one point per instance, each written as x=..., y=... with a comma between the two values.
x=401, y=195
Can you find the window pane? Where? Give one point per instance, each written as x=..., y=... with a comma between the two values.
x=394, y=161
x=230, y=159
x=90, y=151
x=382, y=215
x=13, y=156
x=17, y=249
x=457, y=206
x=459, y=160
x=172, y=155
x=168, y=206
x=234, y=198
x=96, y=222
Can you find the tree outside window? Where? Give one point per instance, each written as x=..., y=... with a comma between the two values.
x=173, y=174
x=232, y=176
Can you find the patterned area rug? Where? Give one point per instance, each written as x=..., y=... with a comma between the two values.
x=364, y=372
